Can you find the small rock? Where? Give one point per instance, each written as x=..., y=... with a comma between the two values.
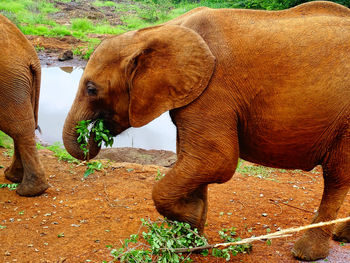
x=7, y=253
x=74, y=225
x=66, y=55
x=264, y=214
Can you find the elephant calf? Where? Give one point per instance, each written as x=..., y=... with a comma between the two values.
x=270, y=87
x=20, y=75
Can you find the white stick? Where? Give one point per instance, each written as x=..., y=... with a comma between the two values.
x=283, y=233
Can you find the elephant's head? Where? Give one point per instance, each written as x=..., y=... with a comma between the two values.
x=133, y=78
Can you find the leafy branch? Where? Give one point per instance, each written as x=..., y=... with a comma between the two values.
x=172, y=241
x=86, y=129
x=9, y=186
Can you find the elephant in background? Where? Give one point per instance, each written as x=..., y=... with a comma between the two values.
x=20, y=75
x=270, y=87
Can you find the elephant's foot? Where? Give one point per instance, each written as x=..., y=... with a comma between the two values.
x=14, y=175
x=342, y=232
x=182, y=211
x=191, y=209
x=313, y=245
x=32, y=187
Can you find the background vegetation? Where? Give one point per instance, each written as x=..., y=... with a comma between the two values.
x=36, y=17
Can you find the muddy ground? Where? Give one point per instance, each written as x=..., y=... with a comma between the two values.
x=77, y=218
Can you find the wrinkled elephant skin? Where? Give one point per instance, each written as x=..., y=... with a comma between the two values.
x=270, y=87
x=20, y=75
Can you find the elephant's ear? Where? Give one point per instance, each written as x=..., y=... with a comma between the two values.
x=171, y=69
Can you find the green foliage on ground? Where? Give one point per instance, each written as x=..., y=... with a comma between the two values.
x=92, y=167
x=163, y=239
x=62, y=155
x=12, y=186
x=59, y=152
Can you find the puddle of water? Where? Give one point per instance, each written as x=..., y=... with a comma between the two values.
x=58, y=89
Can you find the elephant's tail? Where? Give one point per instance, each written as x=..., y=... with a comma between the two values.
x=36, y=72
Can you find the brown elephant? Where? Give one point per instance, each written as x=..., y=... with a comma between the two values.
x=20, y=75
x=270, y=87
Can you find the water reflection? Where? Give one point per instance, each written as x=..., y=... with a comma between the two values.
x=58, y=89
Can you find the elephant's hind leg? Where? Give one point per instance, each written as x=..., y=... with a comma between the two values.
x=34, y=181
x=314, y=244
x=14, y=172
x=26, y=167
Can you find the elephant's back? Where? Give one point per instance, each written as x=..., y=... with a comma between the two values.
x=16, y=50
x=320, y=8
x=12, y=40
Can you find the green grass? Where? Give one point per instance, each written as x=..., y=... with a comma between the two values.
x=31, y=16
x=5, y=141
x=82, y=24
x=104, y=3
x=258, y=171
x=59, y=152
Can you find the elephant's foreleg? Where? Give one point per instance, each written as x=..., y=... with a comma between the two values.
x=14, y=172
x=314, y=244
x=181, y=200
x=342, y=232
x=182, y=194
x=34, y=181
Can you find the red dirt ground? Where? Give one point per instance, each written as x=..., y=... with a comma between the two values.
x=107, y=207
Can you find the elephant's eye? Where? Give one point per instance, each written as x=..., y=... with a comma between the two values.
x=91, y=89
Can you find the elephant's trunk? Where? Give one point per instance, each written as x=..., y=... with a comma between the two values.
x=70, y=135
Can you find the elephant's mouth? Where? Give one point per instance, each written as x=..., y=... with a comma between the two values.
x=108, y=119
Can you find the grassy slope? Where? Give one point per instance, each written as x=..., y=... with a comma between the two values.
x=32, y=16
